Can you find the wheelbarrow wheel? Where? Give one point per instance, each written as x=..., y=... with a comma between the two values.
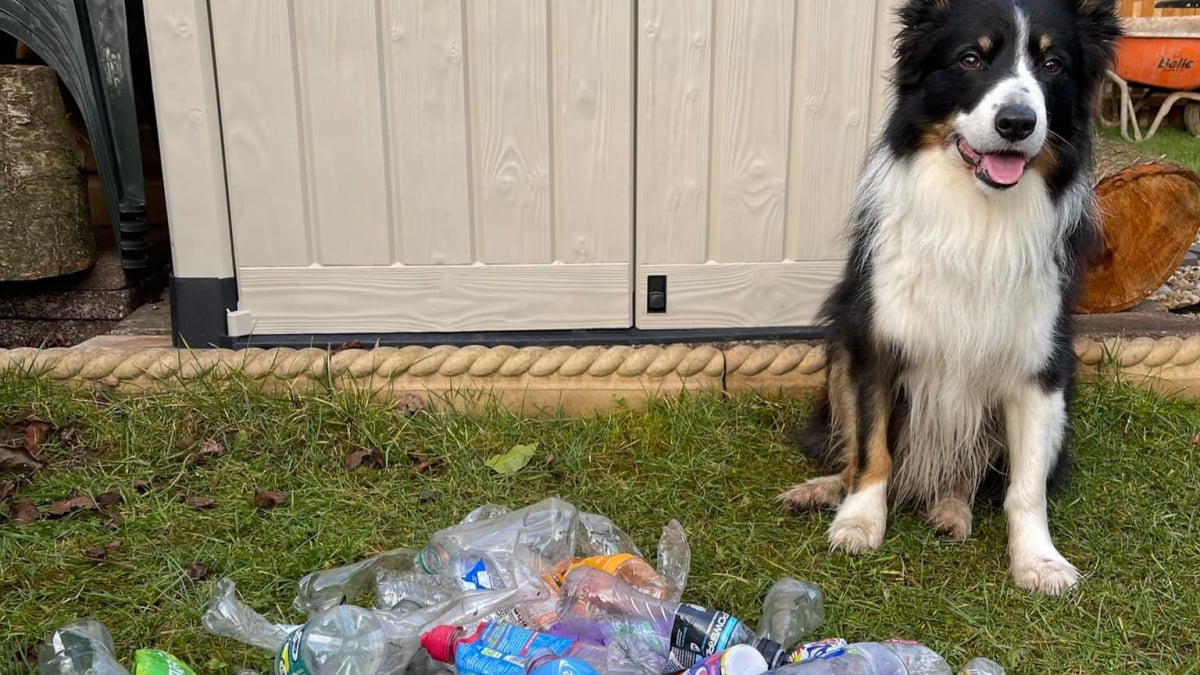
x=1191, y=118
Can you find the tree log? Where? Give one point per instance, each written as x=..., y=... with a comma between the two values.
x=44, y=228
x=1149, y=215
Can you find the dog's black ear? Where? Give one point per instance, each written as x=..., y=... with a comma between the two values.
x=917, y=19
x=1099, y=29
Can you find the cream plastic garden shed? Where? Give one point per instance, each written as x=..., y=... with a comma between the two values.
x=509, y=170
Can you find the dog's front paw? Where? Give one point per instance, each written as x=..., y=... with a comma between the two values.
x=813, y=495
x=1047, y=573
x=855, y=535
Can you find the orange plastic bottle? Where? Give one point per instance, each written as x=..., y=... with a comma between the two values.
x=630, y=569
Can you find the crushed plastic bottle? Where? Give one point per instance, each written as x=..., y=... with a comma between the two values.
x=227, y=616
x=410, y=590
x=658, y=635
x=325, y=589
x=791, y=610
x=600, y=536
x=633, y=571
x=674, y=559
x=982, y=666
x=891, y=657
x=82, y=647
x=505, y=550
x=343, y=640
x=503, y=649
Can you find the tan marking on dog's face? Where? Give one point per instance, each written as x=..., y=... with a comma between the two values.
x=1046, y=162
x=936, y=136
x=1044, y=43
x=985, y=44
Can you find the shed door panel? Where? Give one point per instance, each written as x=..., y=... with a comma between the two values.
x=753, y=120
x=429, y=165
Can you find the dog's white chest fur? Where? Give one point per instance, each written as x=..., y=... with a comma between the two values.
x=966, y=281
x=965, y=284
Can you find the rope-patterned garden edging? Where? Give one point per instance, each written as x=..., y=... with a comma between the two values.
x=594, y=373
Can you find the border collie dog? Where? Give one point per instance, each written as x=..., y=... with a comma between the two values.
x=949, y=338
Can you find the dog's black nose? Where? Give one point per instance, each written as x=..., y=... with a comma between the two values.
x=1016, y=122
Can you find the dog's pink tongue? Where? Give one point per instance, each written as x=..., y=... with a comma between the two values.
x=1003, y=169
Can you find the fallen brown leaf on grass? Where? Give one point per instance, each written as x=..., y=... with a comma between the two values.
x=7, y=488
x=200, y=502
x=185, y=443
x=364, y=457
x=65, y=507
x=426, y=465
x=35, y=433
x=268, y=499
x=110, y=499
x=23, y=513
x=14, y=449
x=428, y=496
x=196, y=571
x=206, y=449
x=141, y=486
x=95, y=553
x=114, y=522
x=1196, y=439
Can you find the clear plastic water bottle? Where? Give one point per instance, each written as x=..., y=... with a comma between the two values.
x=82, y=647
x=345, y=640
x=982, y=666
x=674, y=559
x=597, y=606
x=891, y=657
x=409, y=590
x=791, y=610
x=323, y=589
x=494, y=552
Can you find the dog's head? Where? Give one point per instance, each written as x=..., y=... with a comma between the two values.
x=1004, y=86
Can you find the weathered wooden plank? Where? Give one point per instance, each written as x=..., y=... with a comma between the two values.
x=751, y=85
x=340, y=78
x=436, y=298
x=261, y=124
x=592, y=99
x=424, y=73
x=510, y=130
x=673, y=129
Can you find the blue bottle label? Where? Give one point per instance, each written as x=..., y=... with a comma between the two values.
x=697, y=634
x=478, y=578
x=503, y=649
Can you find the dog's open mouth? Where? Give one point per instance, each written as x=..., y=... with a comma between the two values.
x=998, y=169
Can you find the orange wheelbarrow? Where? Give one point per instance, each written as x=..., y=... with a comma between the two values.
x=1158, y=61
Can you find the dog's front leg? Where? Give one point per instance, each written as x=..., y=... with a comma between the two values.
x=1036, y=422
x=862, y=517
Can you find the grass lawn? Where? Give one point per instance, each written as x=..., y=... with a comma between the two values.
x=1130, y=520
x=1170, y=140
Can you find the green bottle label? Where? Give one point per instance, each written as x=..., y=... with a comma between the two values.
x=290, y=659
x=155, y=662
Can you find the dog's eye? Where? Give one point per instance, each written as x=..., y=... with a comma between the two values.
x=1052, y=65
x=970, y=61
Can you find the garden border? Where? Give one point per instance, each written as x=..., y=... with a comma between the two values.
x=536, y=380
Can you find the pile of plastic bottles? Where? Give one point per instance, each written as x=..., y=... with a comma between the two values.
x=543, y=590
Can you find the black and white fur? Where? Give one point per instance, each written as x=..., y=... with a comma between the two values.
x=951, y=365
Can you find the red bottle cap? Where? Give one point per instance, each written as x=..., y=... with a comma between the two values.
x=439, y=642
